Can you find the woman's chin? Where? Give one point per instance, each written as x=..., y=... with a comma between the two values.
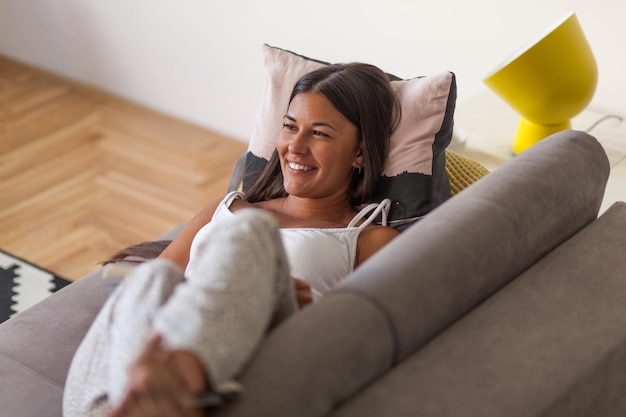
x=294, y=191
x=297, y=189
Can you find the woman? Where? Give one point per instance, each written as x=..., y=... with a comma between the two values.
x=168, y=337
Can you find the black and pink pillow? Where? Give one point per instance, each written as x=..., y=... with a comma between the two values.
x=415, y=177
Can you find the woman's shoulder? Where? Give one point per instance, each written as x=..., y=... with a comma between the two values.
x=376, y=232
x=241, y=203
x=372, y=239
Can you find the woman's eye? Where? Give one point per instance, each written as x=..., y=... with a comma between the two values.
x=288, y=126
x=319, y=133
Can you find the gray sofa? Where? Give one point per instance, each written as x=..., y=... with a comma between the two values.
x=507, y=300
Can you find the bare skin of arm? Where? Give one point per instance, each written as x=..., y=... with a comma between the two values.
x=371, y=240
x=178, y=250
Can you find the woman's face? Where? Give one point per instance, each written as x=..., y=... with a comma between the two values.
x=318, y=148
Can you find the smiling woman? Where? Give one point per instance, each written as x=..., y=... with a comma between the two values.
x=318, y=148
x=184, y=325
x=359, y=94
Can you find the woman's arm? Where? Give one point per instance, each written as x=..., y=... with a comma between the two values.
x=371, y=240
x=302, y=289
x=178, y=250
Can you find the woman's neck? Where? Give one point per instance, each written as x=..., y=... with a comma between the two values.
x=331, y=210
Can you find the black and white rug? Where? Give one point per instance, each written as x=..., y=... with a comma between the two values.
x=23, y=284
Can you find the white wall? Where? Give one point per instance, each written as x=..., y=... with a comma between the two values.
x=200, y=59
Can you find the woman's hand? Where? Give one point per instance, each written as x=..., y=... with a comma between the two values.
x=163, y=383
x=304, y=296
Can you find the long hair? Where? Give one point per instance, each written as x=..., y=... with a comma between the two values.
x=363, y=95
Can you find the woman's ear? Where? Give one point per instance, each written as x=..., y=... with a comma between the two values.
x=358, y=158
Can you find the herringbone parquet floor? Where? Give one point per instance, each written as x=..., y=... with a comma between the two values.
x=83, y=173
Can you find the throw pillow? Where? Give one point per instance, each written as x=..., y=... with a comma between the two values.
x=414, y=177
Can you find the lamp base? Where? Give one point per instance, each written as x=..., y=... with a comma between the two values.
x=529, y=133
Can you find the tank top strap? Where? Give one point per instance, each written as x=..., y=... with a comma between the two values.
x=375, y=209
x=232, y=196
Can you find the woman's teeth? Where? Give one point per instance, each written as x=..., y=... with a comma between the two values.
x=298, y=167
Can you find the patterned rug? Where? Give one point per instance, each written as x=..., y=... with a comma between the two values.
x=23, y=284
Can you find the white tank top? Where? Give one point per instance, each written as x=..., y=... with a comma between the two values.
x=322, y=257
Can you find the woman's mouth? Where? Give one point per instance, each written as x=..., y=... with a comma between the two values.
x=298, y=167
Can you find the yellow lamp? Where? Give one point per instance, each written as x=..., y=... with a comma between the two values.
x=547, y=83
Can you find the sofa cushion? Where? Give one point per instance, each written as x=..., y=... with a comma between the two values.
x=59, y=321
x=414, y=178
x=25, y=393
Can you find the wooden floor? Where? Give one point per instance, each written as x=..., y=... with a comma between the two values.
x=83, y=174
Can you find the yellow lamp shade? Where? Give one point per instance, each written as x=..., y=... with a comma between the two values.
x=547, y=83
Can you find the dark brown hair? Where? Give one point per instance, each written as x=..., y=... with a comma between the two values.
x=363, y=95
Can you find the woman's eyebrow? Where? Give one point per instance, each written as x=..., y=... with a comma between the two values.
x=315, y=124
x=324, y=124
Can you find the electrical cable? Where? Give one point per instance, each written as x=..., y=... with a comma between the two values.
x=602, y=120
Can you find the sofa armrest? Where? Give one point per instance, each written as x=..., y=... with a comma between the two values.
x=552, y=343
x=37, y=346
x=471, y=246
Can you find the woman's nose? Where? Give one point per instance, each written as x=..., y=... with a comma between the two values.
x=298, y=143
